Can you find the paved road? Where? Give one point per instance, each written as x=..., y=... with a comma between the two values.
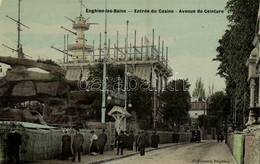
x=206, y=152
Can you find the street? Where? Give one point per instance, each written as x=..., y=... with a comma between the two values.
x=204, y=152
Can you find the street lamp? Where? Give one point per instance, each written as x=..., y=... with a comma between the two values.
x=104, y=81
x=204, y=121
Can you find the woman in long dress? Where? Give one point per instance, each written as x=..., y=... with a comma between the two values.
x=93, y=144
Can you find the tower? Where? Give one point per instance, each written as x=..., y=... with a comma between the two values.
x=80, y=50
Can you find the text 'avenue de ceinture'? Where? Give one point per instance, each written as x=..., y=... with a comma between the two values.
x=208, y=11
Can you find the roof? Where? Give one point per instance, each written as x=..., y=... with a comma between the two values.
x=120, y=110
x=29, y=125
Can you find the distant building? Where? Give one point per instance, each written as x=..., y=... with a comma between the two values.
x=198, y=108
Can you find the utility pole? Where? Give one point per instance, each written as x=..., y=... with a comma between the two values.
x=104, y=81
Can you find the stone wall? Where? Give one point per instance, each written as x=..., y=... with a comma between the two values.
x=252, y=146
x=250, y=142
x=230, y=141
x=166, y=136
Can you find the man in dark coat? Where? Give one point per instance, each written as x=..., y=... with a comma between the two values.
x=121, y=139
x=155, y=139
x=66, y=142
x=102, y=140
x=14, y=140
x=142, y=143
x=77, y=144
x=130, y=140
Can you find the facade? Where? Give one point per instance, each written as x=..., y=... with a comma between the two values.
x=253, y=64
x=198, y=108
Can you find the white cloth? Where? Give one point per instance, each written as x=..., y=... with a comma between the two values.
x=94, y=137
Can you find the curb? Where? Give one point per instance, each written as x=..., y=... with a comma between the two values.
x=135, y=153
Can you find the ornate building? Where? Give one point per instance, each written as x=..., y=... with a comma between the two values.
x=253, y=64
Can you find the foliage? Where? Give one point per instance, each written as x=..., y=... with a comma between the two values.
x=141, y=97
x=95, y=81
x=219, y=109
x=49, y=61
x=199, y=90
x=219, y=105
x=234, y=49
x=176, y=103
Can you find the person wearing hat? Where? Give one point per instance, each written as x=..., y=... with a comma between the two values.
x=142, y=143
x=93, y=143
x=77, y=144
x=14, y=140
x=121, y=140
x=102, y=140
x=66, y=142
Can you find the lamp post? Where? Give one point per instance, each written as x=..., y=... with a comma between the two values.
x=204, y=120
x=104, y=81
x=126, y=79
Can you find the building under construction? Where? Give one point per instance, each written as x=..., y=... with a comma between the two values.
x=148, y=61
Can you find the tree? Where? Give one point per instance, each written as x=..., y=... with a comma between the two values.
x=219, y=107
x=176, y=103
x=140, y=97
x=199, y=90
x=234, y=49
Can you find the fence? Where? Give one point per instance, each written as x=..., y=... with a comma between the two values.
x=39, y=144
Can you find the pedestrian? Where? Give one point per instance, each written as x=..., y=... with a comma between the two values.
x=136, y=143
x=121, y=139
x=77, y=144
x=102, y=140
x=66, y=143
x=93, y=143
x=221, y=137
x=126, y=139
x=142, y=143
x=155, y=139
x=147, y=144
x=14, y=140
x=199, y=135
x=130, y=139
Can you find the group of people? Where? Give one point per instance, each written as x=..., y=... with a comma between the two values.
x=97, y=144
x=141, y=140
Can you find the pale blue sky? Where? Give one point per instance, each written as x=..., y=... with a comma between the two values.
x=192, y=37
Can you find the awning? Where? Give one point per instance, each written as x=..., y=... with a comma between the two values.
x=28, y=125
x=120, y=110
x=73, y=73
x=143, y=72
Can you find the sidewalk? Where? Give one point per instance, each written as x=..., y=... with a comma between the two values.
x=217, y=153
x=107, y=156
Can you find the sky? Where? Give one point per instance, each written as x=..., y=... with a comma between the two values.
x=192, y=38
